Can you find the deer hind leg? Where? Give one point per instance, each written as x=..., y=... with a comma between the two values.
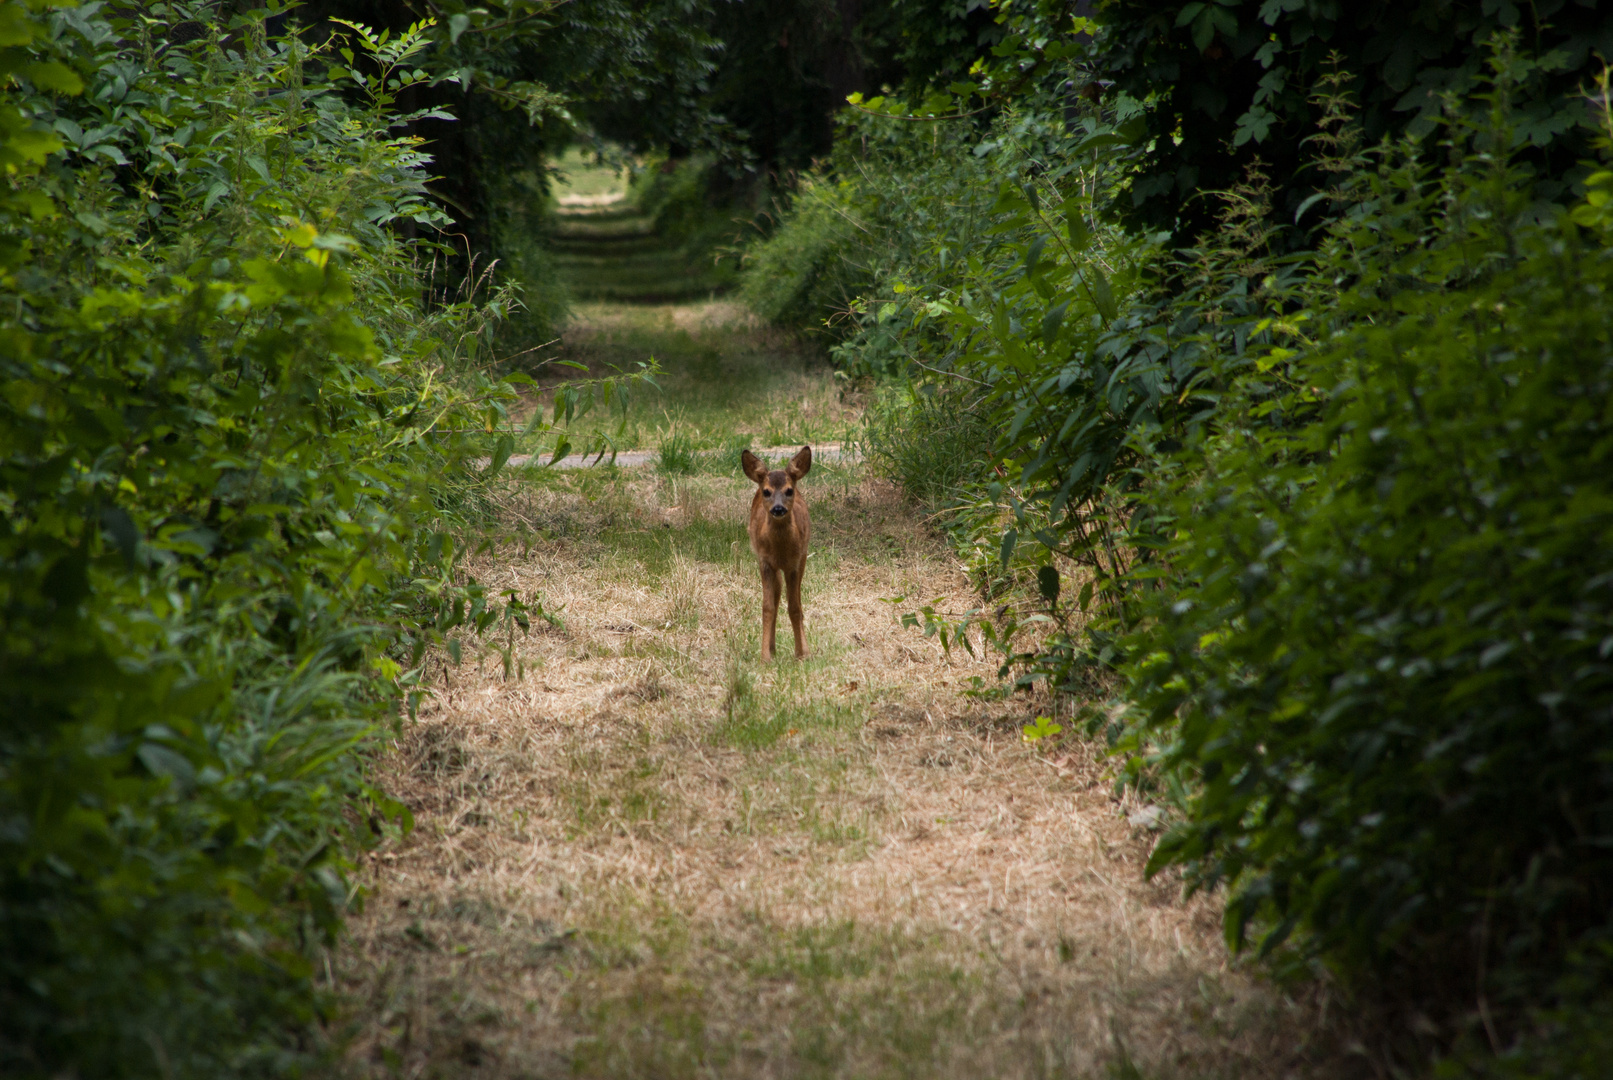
x=792, y=582
x=770, y=591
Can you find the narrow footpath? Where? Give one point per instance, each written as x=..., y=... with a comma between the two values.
x=642, y=852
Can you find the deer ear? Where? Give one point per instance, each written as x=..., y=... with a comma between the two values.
x=801, y=463
x=752, y=466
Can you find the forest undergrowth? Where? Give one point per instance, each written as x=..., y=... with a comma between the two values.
x=1285, y=334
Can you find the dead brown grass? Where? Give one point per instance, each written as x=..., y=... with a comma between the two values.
x=655, y=856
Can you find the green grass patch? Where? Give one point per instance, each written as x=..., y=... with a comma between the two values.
x=757, y=718
x=578, y=172
x=929, y=441
x=654, y=548
x=722, y=387
x=807, y=787
x=677, y=454
x=847, y=1001
x=606, y=793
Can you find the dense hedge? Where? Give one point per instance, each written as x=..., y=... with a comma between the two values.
x=1384, y=653
x=225, y=425
x=1340, y=515
x=806, y=275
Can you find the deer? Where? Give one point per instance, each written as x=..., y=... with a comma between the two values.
x=779, y=531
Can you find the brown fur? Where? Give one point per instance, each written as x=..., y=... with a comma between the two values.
x=779, y=540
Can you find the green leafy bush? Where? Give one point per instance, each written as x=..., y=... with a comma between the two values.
x=1378, y=676
x=805, y=273
x=1388, y=672
x=1348, y=515
x=228, y=439
x=674, y=194
x=898, y=208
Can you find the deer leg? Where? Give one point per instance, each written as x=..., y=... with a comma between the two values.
x=792, y=583
x=770, y=591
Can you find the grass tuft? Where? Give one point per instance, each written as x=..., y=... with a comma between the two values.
x=929, y=441
x=676, y=455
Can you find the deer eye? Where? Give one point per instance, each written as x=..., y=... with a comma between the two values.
x=765, y=491
x=789, y=491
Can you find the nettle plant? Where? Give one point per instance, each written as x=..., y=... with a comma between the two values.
x=1377, y=676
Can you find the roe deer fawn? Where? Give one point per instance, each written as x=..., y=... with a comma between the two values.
x=779, y=529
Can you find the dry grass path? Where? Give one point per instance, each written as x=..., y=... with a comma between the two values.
x=647, y=854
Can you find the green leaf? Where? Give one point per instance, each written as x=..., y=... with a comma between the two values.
x=1102, y=295
x=501, y=454
x=1309, y=202
x=50, y=75
x=1033, y=255
x=1255, y=124
x=29, y=147
x=16, y=26
x=999, y=321
x=1075, y=226
x=1043, y=728
x=1052, y=321
x=162, y=761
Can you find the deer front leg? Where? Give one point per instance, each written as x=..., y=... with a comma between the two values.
x=770, y=591
x=792, y=582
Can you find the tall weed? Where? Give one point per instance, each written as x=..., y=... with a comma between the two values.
x=1378, y=663
x=935, y=444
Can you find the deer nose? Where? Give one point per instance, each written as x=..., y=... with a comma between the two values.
x=778, y=510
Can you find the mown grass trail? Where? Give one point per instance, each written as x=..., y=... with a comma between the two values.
x=607, y=250
x=646, y=853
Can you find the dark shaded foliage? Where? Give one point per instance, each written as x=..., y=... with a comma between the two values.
x=1233, y=80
